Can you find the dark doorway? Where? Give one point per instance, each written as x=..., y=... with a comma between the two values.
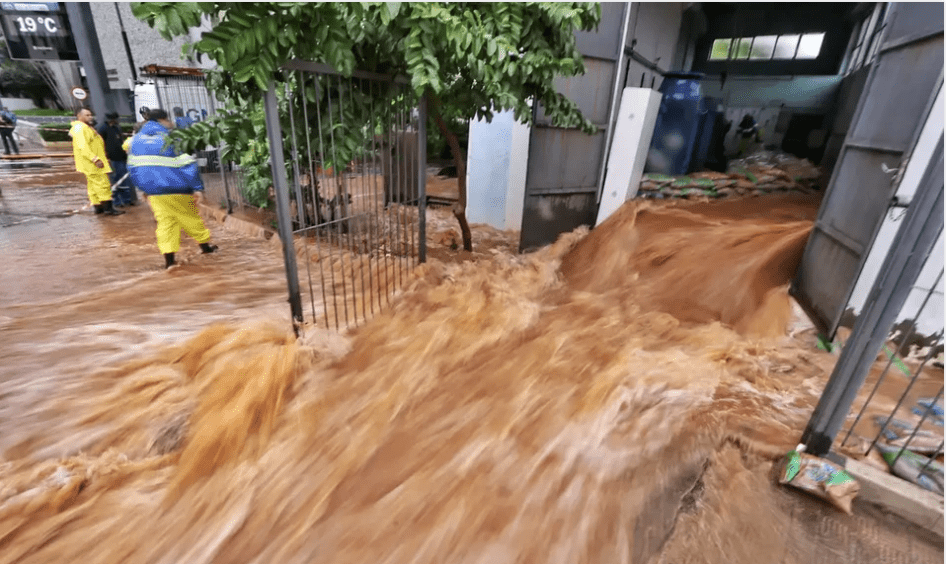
x=805, y=137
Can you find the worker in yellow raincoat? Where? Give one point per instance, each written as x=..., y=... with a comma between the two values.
x=172, y=185
x=88, y=148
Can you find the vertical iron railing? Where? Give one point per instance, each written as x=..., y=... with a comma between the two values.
x=914, y=243
x=352, y=151
x=914, y=425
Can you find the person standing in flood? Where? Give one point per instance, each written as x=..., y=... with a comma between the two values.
x=172, y=186
x=111, y=132
x=88, y=148
x=7, y=125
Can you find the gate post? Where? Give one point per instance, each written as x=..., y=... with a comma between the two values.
x=281, y=188
x=912, y=246
x=422, y=179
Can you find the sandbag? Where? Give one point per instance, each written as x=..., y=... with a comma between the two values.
x=819, y=478
x=913, y=467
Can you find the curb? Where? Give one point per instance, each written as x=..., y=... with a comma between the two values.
x=906, y=500
x=31, y=156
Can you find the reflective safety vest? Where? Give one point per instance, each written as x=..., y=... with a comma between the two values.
x=156, y=169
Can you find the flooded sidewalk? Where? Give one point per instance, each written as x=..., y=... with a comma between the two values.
x=620, y=396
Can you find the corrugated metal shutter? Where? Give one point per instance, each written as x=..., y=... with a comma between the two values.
x=894, y=105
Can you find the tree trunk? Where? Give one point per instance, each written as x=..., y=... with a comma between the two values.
x=459, y=160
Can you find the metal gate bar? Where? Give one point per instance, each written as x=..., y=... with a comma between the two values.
x=907, y=256
x=907, y=335
x=280, y=186
x=926, y=414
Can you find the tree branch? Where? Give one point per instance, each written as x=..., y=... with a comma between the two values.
x=459, y=160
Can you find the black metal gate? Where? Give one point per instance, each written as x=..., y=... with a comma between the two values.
x=348, y=161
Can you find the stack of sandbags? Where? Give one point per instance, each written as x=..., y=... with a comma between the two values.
x=760, y=173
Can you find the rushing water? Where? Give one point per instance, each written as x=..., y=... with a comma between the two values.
x=505, y=408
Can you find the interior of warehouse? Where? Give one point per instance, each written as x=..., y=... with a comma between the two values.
x=797, y=68
x=771, y=98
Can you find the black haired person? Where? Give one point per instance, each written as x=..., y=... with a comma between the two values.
x=111, y=132
x=172, y=185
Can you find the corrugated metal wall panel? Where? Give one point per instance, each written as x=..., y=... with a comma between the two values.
x=896, y=100
x=565, y=165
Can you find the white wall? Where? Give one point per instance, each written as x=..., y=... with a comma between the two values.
x=14, y=104
x=931, y=319
x=497, y=156
x=800, y=92
x=633, y=131
x=518, y=165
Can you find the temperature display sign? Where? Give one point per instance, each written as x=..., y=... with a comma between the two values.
x=38, y=31
x=43, y=25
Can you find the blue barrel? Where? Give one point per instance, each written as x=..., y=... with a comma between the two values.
x=705, y=134
x=678, y=123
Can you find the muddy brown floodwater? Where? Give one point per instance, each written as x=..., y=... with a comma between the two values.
x=619, y=396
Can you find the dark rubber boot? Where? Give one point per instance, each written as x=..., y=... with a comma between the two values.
x=169, y=260
x=99, y=208
x=207, y=248
x=110, y=209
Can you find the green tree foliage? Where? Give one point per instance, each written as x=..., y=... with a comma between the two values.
x=21, y=79
x=468, y=59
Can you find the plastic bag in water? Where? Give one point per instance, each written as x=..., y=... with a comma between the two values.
x=820, y=478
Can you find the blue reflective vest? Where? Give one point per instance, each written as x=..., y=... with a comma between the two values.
x=158, y=170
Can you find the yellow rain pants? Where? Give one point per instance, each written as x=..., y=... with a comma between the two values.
x=100, y=189
x=174, y=212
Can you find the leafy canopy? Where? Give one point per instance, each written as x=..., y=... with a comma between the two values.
x=472, y=58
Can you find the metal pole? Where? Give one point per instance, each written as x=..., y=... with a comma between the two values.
x=157, y=94
x=906, y=336
x=932, y=457
x=911, y=247
x=90, y=54
x=131, y=59
x=223, y=176
x=617, y=90
x=223, y=168
x=281, y=187
x=422, y=179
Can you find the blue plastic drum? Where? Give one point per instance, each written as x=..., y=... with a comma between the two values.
x=678, y=123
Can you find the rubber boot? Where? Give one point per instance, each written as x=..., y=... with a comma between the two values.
x=110, y=209
x=99, y=208
x=207, y=248
x=169, y=260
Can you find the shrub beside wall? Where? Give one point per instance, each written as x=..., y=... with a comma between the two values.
x=60, y=131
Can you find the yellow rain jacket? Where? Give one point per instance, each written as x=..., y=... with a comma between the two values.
x=87, y=147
